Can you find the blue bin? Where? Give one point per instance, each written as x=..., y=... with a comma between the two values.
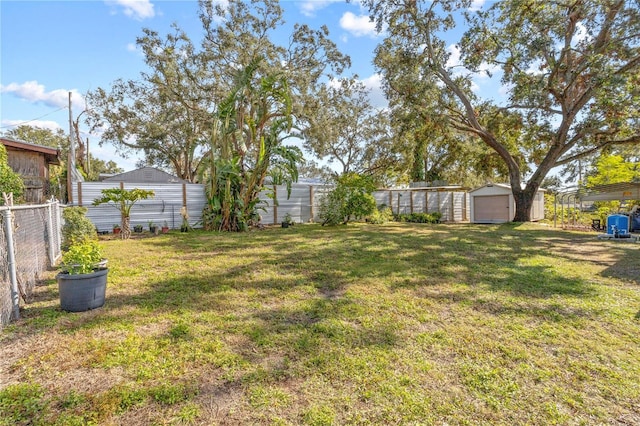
x=620, y=221
x=635, y=222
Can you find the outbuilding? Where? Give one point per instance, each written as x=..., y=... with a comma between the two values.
x=494, y=203
x=32, y=163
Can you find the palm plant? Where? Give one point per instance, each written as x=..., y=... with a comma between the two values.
x=123, y=200
x=246, y=147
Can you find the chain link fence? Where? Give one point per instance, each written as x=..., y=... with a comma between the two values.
x=30, y=238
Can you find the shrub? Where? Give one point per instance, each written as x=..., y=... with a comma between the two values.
x=82, y=258
x=382, y=214
x=77, y=228
x=419, y=217
x=351, y=198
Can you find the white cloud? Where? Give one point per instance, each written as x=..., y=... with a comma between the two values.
x=505, y=90
x=310, y=7
x=454, y=56
x=581, y=34
x=136, y=9
x=455, y=61
x=131, y=47
x=358, y=25
x=476, y=5
x=34, y=92
x=376, y=94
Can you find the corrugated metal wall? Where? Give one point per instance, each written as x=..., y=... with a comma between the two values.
x=164, y=206
x=303, y=205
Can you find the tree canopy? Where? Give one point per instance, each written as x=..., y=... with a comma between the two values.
x=348, y=130
x=170, y=112
x=570, y=70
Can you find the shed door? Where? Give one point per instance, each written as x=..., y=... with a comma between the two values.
x=491, y=208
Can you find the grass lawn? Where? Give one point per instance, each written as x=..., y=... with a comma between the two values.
x=363, y=324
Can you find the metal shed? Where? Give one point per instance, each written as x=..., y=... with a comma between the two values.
x=494, y=203
x=144, y=175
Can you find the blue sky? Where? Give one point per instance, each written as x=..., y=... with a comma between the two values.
x=50, y=48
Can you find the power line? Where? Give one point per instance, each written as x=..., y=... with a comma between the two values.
x=34, y=119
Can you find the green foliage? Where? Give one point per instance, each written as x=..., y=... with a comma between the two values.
x=82, y=258
x=77, y=228
x=381, y=215
x=22, y=403
x=170, y=394
x=419, y=217
x=169, y=111
x=10, y=181
x=351, y=198
x=246, y=147
x=550, y=117
x=613, y=169
x=609, y=169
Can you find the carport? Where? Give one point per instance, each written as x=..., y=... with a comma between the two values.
x=573, y=197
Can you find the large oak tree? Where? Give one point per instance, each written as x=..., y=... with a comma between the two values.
x=169, y=113
x=571, y=71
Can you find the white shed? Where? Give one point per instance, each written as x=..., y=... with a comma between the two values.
x=494, y=203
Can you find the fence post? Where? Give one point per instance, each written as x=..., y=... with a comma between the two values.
x=452, y=215
x=80, y=193
x=50, y=235
x=311, y=196
x=11, y=261
x=275, y=204
x=411, y=200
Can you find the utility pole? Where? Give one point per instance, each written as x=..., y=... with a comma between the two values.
x=71, y=157
x=88, y=171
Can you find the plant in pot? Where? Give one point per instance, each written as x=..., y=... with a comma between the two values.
x=116, y=229
x=137, y=229
x=165, y=227
x=287, y=221
x=153, y=228
x=82, y=282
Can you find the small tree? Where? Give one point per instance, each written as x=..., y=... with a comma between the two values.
x=351, y=198
x=123, y=200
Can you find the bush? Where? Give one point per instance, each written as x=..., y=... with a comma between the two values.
x=77, y=228
x=351, y=198
x=419, y=217
x=382, y=214
x=82, y=258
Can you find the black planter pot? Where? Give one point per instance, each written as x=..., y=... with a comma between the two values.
x=285, y=224
x=82, y=292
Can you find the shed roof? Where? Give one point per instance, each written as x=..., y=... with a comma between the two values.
x=50, y=154
x=145, y=175
x=504, y=186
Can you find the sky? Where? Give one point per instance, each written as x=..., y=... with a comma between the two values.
x=51, y=48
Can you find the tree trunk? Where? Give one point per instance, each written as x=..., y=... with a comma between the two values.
x=524, y=203
x=126, y=228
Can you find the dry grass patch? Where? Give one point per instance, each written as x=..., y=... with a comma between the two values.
x=390, y=324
